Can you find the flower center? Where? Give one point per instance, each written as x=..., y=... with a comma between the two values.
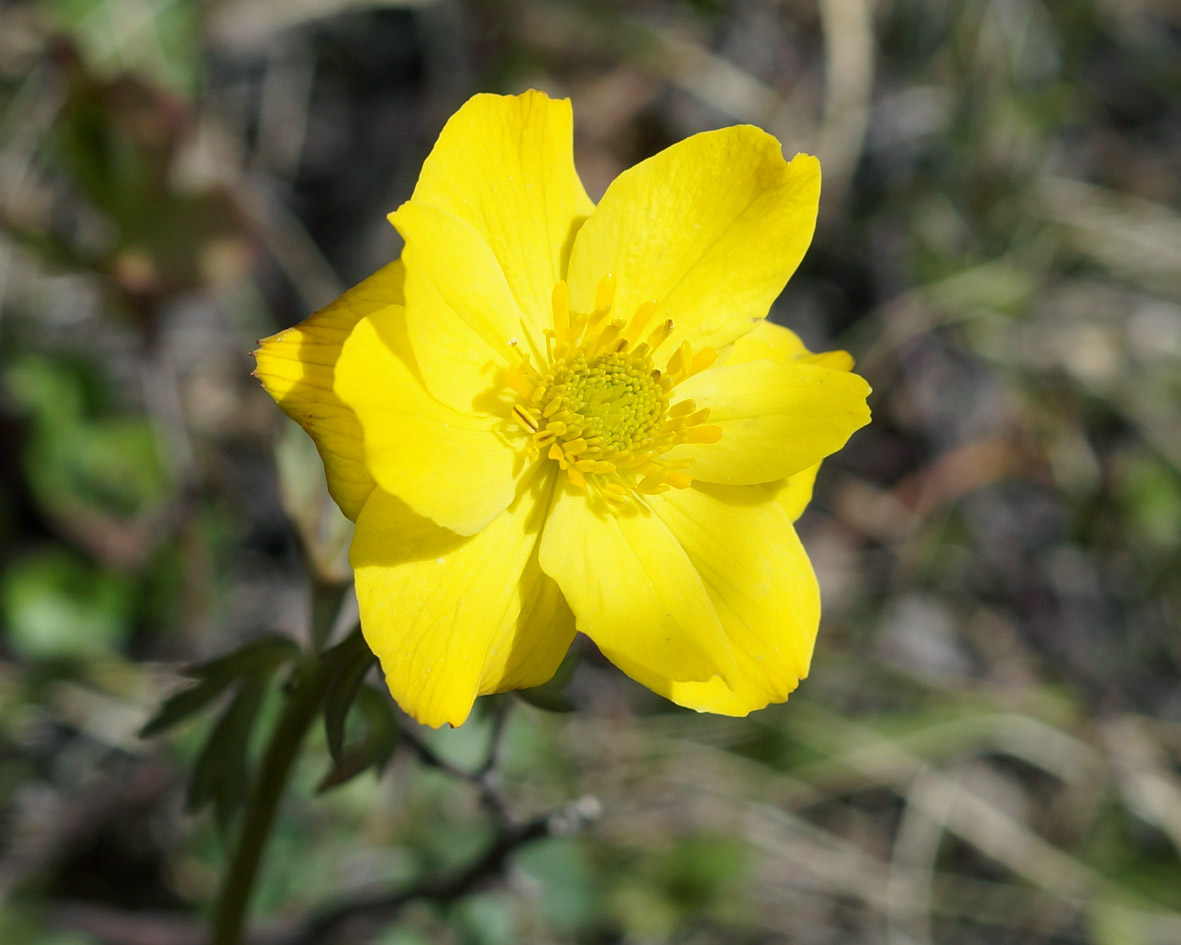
x=612, y=401
x=600, y=408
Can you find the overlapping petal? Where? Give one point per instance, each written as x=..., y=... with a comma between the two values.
x=454, y=468
x=777, y=418
x=761, y=585
x=795, y=492
x=505, y=166
x=633, y=590
x=710, y=228
x=453, y=617
x=768, y=341
x=348, y=376
x=765, y=340
x=461, y=324
x=298, y=367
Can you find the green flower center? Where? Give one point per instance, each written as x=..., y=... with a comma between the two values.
x=611, y=401
x=600, y=408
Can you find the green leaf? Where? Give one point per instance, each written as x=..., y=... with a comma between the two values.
x=254, y=663
x=375, y=748
x=549, y=696
x=178, y=707
x=83, y=454
x=260, y=657
x=546, y=699
x=565, y=669
x=221, y=772
x=342, y=693
x=56, y=605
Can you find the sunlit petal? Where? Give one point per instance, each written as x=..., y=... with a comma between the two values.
x=710, y=228
x=453, y=617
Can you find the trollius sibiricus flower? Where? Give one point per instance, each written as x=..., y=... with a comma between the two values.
x=550, y=416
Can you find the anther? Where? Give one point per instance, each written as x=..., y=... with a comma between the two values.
x=525, y=419
x=660, y=333
x=605, y=292
x=640, y=320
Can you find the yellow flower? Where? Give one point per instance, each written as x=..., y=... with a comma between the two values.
x=550, y=416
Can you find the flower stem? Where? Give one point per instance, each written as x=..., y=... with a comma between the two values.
x=305, y=696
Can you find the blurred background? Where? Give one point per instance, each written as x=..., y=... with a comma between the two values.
x=989, y=747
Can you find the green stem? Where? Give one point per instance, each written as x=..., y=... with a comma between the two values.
x=234, y=899
x=304, y=701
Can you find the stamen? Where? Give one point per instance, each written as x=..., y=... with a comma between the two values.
x=516, y=379
x=660, y=334
x=526, y=418
x=605, y=292
x=607, y=337
x=600, y=408
x=702, y=360
x=639, y=321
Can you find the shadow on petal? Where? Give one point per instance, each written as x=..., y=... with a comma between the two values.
x=298, y=368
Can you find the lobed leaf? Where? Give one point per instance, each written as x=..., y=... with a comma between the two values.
x=221, y=772
x=343, y=688
x=375, y=748
x=187, y=702
x=264, y=655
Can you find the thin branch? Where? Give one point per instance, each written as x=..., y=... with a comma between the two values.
x=378, y=911
x=381, y=909
x=483, y=778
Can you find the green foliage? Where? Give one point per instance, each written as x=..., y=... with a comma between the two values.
x=160, y=42
x=345, y=685
x=572, y=890
x=18, y=925
x=551, y=697
x=702, y=873
x=250, y=666
x=373, y=748
x=1150, y=492
x=221, y=773
x=55, y=605
x=84, y=456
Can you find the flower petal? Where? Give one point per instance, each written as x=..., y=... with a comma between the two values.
x=451, y=467
x=298, y=367
x=761, y=584
x=450, y=617
x=460, y=315
x=505, y=165
x=795, y=492
x=711, y=228
x=768, y=340
x=632, y=589
x=777, y=418
x=765, y=340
